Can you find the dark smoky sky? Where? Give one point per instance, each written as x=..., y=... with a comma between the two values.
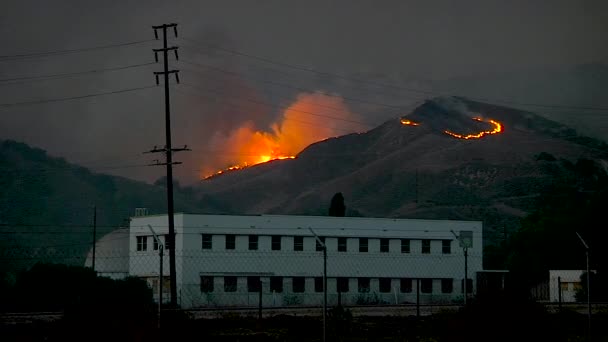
x=433, y=46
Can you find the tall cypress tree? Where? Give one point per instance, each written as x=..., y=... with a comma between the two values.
x=337, y=207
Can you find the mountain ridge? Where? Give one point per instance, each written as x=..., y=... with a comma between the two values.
x=396, y=170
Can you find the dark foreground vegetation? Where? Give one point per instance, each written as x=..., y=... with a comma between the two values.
x=473, y=324
x=116, y=317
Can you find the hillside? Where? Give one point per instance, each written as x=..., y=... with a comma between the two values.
x=407, y=171
x=46, y=204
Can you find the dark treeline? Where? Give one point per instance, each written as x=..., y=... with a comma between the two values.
x=547, y=240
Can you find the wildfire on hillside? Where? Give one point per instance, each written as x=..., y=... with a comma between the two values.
x=301, y=124
x=497, y=129
x=409, y=122
x=263, y=159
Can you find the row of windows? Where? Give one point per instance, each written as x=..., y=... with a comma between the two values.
x=298, y=244
x=342, y=284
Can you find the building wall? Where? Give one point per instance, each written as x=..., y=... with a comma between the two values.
x=111, y=254
x=570, y=283
x=192, y=261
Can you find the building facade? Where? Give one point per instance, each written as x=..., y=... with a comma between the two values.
x=227, y=260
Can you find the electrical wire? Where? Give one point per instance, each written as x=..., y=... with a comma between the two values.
x=69, y=51
x=378, y=84
x=61, y=99
x=68, y=74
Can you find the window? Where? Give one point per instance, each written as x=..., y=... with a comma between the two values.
x=447, y=285
x=154, y=244
x=384, y=245
x=318, y=246
x=469, y=286
x=142, y=243
x=363, y=284
x=298, y=284
x=207, y=241
x=385, y=285
x=276, y=284
x=426, y=246
x=405, y=246
x=426, y=285
x=298, y=243
x=230, y=284
x=253, y=242
x=167, y=245
x=362, y=245
x=342, y=284
x=405, y=285
x=318, y=284
x=254, y=284
x=342, y=244
x=230, y=241
x=276, y=243
x=206, y=284
x=446, y=246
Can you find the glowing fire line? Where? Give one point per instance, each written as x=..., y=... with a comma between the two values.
x=497, y=129
x=409, y=122
x=263, y=159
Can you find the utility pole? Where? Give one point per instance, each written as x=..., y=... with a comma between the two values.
x=167, y=150
x=94, y=234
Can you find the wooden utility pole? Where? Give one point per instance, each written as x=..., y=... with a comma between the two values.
x=168, y=150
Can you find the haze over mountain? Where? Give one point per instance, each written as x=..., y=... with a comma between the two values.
x=408, y=171
x=411, y=170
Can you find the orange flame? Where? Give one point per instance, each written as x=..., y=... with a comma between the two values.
x=302, y=123
x=409, y=122
x=497, y=129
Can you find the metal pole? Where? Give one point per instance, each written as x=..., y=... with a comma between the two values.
x=94, y=234
x=466, y=276
x=417, y=297
x=588, y=294
x=160, y=282
x=260, y=301
x=324, y=246
x=559, y=292
x=324, y=293
x=588, y=286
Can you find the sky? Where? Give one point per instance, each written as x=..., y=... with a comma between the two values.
x=251, y=69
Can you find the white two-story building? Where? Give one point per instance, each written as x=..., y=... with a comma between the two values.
x=224, y=260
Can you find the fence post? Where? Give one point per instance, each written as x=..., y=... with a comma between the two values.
x=559, y=292
x=418, y=297
x=260, y=301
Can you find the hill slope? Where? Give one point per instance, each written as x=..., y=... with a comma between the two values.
x=407, y=171
x=46, y=204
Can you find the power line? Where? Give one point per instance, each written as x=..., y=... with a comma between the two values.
x=284, y=85
x=69, y=51
x=230, y=104
x=14, y=104
x=380, y=84
x=69, y=74
x=270, y=105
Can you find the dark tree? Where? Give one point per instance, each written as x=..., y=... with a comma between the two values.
x=337, y=207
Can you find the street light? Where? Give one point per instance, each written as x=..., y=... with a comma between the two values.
x=588, y=284
x=320, y=242
x=160, y=271
x=465, y=240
